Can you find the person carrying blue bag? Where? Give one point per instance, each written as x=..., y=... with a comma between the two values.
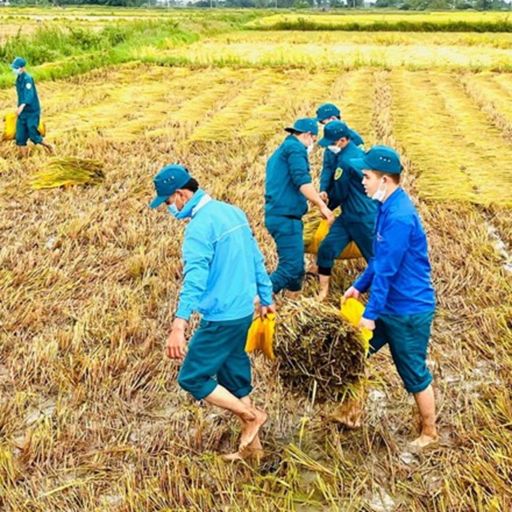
x=401, y=304
x=29, y=109
x=224, y=272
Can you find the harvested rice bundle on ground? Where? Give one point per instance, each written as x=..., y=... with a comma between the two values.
x=316, y=348
x=60, y=172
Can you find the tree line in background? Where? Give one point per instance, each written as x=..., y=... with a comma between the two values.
x=319, y=4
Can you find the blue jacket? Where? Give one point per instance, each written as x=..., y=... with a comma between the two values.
x=224, y=269
x=330, y=163
x=287, y=171
x=348, y=190
x=27, y=94
x=399, y=273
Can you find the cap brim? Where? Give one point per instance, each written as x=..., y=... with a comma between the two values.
x=157, y=201
x=359, y=164
x=325, y=142
x=291, y=129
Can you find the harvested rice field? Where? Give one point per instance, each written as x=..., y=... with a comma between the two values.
x=91, y=416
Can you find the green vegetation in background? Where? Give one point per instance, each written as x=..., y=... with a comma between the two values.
x=53, y=52
x=393, y=26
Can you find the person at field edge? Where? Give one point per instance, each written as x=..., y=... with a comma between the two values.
x=288, y=187
x=29, y=110
x=326, y=113
x=357, y=220
x=401, y=305
x=224, y=272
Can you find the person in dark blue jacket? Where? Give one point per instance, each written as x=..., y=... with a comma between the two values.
x=28, y=111
x=401, y=305
x=224, y=272
x=324, y=115
x=288, y=187
x=357, y=220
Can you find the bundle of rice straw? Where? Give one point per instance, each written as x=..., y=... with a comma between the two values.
x=61, y=172
x=317, y=350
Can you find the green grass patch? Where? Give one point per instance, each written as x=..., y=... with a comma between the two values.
x=306, y=24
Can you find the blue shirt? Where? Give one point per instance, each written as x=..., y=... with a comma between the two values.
x=287, y=170
x=27, y=94
x=399, y=273
x=348, y=190
x=224, y=269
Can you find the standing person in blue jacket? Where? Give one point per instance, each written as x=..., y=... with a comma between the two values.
x=325, y=114
x=401, y=305
x=288, y=187
x=357, y=220
x=224, y=272
x=29, y=110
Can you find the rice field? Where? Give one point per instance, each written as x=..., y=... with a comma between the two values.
x=296, y=49
x=91, y=417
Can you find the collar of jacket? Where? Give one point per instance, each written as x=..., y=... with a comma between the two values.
x=386, y=205
x=292, y=139
x=194, y=204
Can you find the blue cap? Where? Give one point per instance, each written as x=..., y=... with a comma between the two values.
x=169, y=179
x=304, y=125
x=326, y=111
x=18, y=62
x=333, y=132
x=379, y=158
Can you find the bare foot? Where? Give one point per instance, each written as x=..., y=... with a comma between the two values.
x=253, y=451
x=49, y=148
x=292, y=295
x=322, y=295
x=423, y=441
x=251, y=428
x=348, y=414
x=324, y=287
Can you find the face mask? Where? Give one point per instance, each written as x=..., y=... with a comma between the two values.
x=310, y=148
x=334, y=149
x=173, y=210
x=16, y=72
x=380, y=194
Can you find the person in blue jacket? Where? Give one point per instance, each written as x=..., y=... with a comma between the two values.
x=324, y=115
x=401, y=305
x=288, y=187
x=224, y=272
x=357, y=220
x=29, y=110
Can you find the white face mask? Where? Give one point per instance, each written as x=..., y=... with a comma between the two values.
x=310, y=148
x=334, y=149
x=380, y=194
x=16, y=72
x=173, y=210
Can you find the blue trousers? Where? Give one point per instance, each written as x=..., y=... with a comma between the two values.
x=408, y=337
x=288, y=235
x=216, y=355
x=342, y=232
x=26, y=128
